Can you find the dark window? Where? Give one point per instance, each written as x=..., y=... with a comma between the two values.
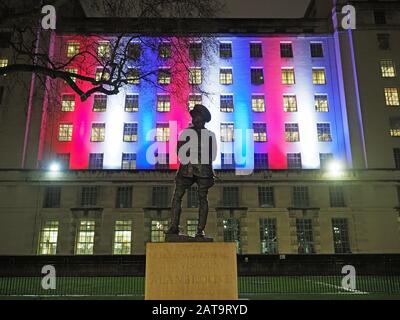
x=230, y=197
x=340, y=232
x=324, y=160
x=132, y=103
x=193, y=197
x=195, y=50
x=256, y=50
x=226, y=103
x=165, y=50
x=128, y=161
x=160, y=196
x=300, y=197
x=52, y=197
x=1, y=93
x=232, y=232
x=261, y=161
x=336, y=196
x=225, y=50
x=134, y=50
x=227, y=161
x=124, y=197
x=305, y=239
x=316, y=50
x=398, y=195
x=63, y=160
x=95, y=161
x=257, y=76
x=286, y=50
x=266, y=197
x=294, y=161
x=396, y=155
x=100, y=103
x=268, y=236
x=380, y=17
x=89, y=196
x=383, y=41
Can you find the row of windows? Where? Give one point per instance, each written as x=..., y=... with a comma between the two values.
x=122, y=239
x=134, y=50
x=89, y=196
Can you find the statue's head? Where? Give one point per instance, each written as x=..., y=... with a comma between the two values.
x=200, y=115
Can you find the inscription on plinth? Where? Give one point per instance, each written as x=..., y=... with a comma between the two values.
x=191, y=271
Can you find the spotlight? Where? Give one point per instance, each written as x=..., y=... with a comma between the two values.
x=54, y=167
x=335, y=168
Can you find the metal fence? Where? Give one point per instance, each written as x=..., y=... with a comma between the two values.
x=258, y=275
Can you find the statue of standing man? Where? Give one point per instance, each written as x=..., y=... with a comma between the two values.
x=197, y=149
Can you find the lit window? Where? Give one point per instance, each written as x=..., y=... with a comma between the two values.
x=286, y=50
x=316, y=50
x=164, y=76
x=289, y=103
x=268, y=236
x=256, y=50
x=96, y=161
x=158, y=228
x=225, y=50
x=98, y=133
x=395, y=126
x=195, y=76
x=162, y=132
x=100, y=103
x=288, y=77
x=133, y=76
x=165, y=50
x=321, y=103
x=260, y=132
x=195, y=50
x=225, y=76
x=226, y=103
x=134, y=50
x=104, y=49
x=324, y=132
x=68, y=102
x=132, y=103
x=3, y=62
x=294, y=161
x=340, y=232
x=65, y=132
x=191, y=227
x=292, y=132
x=258, y=103
x=388, y=69
x=257, y=75
x=48, y=238
x=122, y=237
x=130, y=132
x=305, y=239
x=318, y=75
x=392, y=97
x=193, y=100
x=163, y=103
x=232, y=232
x=72, y=49
x=102, y=74
x=128, y=161
x=227, y=132
x=85, y=239
x=72, y=70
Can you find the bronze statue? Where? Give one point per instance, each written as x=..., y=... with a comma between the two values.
x=196, y=167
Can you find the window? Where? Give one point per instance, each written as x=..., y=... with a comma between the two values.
x=392, y=97
x=162, y=133
x=324, y=132
x=89, y=196
x=226, y=103
x=132, y=103
x=225, y=50
x=102, y=74
x=292, y=132
x=72, y=48
x=100, y=103
x=227, y=132
x=318, y=75
x=294, y=161
x=380, y=17
x=288, y=77
x=130, y=132
x=48, y=238
x=124, y=197
x=230, y=197
x=158, y=228
x=258, y=103
x=340, y=232
x=52, y=197
x=85, y=239
x=316, y=50
x=164, y=76
x=67, y=103
x=398, y=195
x=122, y=237
x=95, y=161
x=133, y=76
x=266, y=197
x=396, y=156
x=160, y=196
x=104, y=49
x=1, y=94
x=128, y=161
x=98, y=133
x=383, y=41
x=256, y=50
x=388, y=69
x=71, y=70
x=324, y=160
x=395, y=126
x=225, y=76
x=3, y=62
x=63, y=160
x=321, y=103
x=165, y=50
x=336, y=196
x=162, y=161
x=134, y=50
x=195, y=76
x=163, y=103
x=193, y=100
x=289, y=103
x=300, y=197
x=305, y=239
x=268, y=236
x=232, y=232
x=191, y=227
x=195, y=50
x=260, y=132
x=261, y=161
x=65, y=132
x=257, y=76
x=286, y=50
x=193, y=197
x=227, y=161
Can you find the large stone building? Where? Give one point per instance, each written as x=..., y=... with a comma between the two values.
x=323, y=103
